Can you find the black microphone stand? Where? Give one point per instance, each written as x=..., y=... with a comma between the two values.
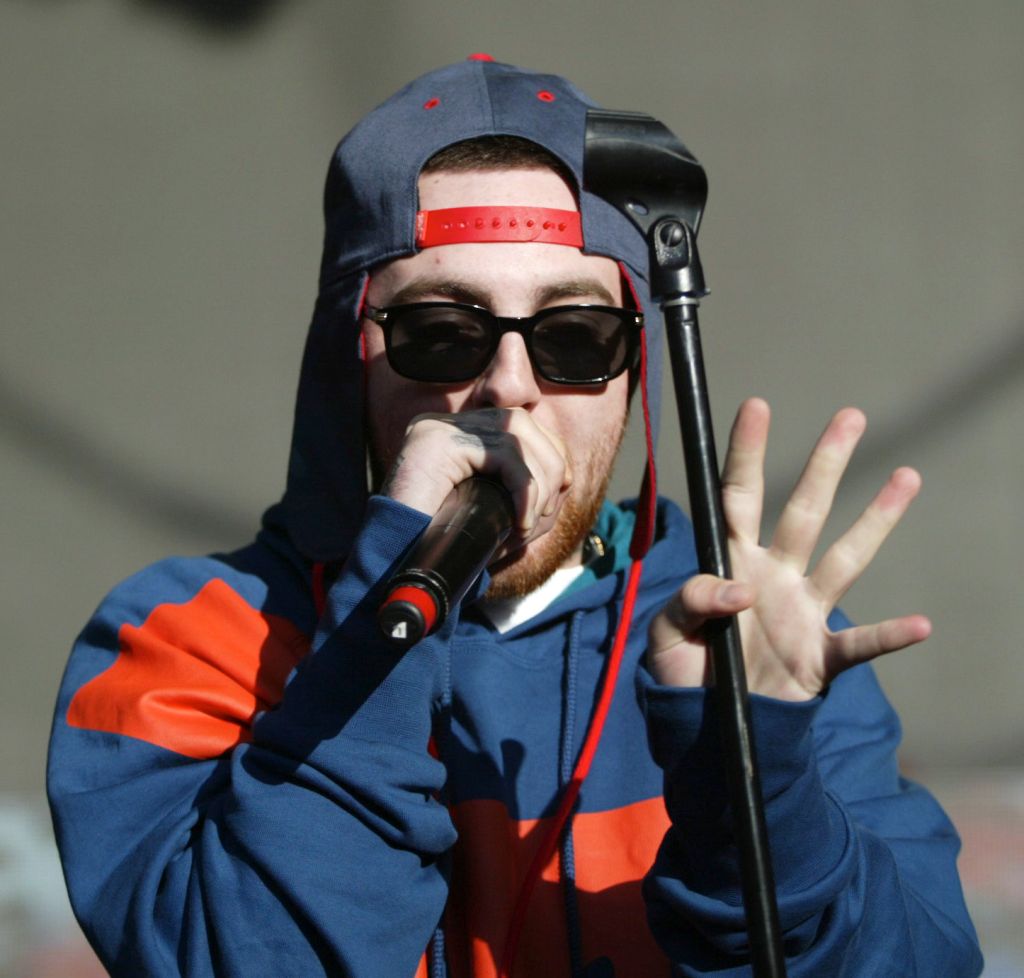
x=637, y=165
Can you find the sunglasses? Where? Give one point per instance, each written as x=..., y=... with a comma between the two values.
x=449, y=342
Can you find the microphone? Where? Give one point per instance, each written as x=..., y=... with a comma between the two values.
x=455, y=548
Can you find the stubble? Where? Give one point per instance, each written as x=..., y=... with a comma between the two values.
x=526, y=569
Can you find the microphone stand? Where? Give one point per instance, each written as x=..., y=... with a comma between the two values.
x=637, y=165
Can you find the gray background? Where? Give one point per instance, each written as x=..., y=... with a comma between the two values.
x=160, y=179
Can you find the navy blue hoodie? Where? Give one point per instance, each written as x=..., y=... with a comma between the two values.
x=247, y=781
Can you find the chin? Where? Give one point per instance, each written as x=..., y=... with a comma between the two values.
x=521, y=573
x=524, y=571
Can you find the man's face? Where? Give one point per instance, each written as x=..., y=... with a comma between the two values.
x=509, y=279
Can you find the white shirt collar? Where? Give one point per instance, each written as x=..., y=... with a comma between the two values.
x=505, y=613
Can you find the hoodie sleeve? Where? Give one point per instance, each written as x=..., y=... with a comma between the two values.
x=206, y=831
x=864, y=861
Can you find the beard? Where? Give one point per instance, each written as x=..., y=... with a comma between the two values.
x=527, y=568
x=524, y=570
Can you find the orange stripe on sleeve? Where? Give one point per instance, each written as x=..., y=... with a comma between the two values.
x=193, y=676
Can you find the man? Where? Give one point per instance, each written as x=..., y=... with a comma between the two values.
x=247, y=779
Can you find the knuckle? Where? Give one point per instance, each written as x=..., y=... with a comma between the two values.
x=806, y=508
x=696, y=591
x=846, y=556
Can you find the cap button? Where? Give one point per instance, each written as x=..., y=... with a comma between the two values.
x=479, y=56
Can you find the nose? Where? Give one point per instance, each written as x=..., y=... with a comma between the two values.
x=509, y=380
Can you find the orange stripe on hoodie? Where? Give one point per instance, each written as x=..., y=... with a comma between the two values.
x=193, y=676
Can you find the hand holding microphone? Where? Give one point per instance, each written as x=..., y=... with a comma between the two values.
x=499, y=477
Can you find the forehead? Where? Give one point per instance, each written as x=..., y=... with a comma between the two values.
x=507, y=271
x=468, y=188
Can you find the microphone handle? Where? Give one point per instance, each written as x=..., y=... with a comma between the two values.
x=451, y=554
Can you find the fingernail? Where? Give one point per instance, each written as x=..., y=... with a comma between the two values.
x=731, y=594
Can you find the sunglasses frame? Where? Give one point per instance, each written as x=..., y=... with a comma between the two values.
x=632, y=321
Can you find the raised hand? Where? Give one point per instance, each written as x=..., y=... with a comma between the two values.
x=789, y=650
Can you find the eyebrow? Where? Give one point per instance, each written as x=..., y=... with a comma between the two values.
x=459, y=291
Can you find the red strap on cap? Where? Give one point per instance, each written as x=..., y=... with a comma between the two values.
x=459, y=225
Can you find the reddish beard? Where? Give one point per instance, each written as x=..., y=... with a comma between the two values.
x=528, y=568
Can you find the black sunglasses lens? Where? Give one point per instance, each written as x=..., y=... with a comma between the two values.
x=448, y=343
x=577, y=345
x=439, y=343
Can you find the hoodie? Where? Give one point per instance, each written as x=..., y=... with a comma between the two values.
x=247, y=780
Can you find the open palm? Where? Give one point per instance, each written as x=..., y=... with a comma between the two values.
x=783, y=606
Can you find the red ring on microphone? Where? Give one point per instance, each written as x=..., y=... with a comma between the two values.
x=420, y=598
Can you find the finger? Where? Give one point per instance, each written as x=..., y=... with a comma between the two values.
x=864, y=642
x=538, y=500
x=843, y=563
x=505, y=444
x=486, y=447
x=442, y=450
x=807, y=509
x=701, y=598
x=427, y=465
x=743, y=472
x=547, y=458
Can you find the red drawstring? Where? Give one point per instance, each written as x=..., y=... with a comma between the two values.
x=646, y=510
x=319, y=589
x=572, y=790
x=643, y=536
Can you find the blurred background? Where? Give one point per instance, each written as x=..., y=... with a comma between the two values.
x=160, y=179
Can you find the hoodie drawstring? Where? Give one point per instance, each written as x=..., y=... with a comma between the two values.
x=319, y=586
x=565, y=767
x=568, y=800
x=438, y=965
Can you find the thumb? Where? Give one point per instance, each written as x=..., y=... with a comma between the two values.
x=702, y=597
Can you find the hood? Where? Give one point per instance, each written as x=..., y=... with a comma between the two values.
x=370, y=205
